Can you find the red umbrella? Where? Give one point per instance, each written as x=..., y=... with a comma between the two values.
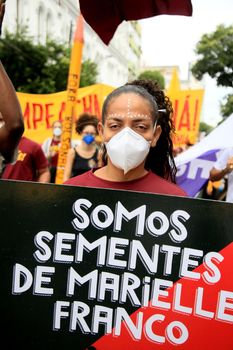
x=104, y=16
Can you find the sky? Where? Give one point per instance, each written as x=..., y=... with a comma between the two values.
x=171, y=40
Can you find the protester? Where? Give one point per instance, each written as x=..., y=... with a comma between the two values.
x=11, y=120
x=223, y=168
x=85, y=155
x=215, y=190
x=136, y=130
x=31, y=164
x=51, y=148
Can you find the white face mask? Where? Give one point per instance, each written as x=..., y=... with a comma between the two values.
x=127, y=149
x=57, y=131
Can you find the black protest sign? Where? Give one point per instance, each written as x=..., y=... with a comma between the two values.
x=82, y=267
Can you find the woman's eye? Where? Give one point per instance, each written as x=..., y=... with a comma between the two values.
x=114, y=126
x=141, y=127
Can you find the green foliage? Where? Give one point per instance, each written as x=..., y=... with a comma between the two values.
x=216, y=56
x=89, y=73
x=215, y=53
x=153, y=75
x=36, y=68
x=204, y=127
x=227, y=107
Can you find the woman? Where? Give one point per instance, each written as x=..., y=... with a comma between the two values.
x=51, y=146
x=84, y=156
x=136, y=130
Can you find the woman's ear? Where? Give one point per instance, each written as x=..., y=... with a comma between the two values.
x=156, y=136
x=100, y=129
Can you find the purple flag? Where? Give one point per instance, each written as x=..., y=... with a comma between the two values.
x=192, y=176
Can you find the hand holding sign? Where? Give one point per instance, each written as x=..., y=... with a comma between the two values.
x=229, y=166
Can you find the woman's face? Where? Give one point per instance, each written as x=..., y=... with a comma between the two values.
x=133, y=111
x=57, y=125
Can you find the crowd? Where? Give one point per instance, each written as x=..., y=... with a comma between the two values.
x=136, y=152
x=38, y=163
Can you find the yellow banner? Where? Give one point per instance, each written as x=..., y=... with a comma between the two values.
x=40, y=111
x=187, y=105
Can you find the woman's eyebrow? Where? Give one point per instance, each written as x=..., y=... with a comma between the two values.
x=115, y=117
x=139, y=120
x=135, y=116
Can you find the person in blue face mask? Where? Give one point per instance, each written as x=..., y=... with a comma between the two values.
x=85, y=155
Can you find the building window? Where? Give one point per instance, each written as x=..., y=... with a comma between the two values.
x=22, y=13
x=41, y=25
x=49, y=26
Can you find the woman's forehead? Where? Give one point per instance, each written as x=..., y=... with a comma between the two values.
x=57, y=124
x=88, y=127
x=130, y=115
x=129, y=103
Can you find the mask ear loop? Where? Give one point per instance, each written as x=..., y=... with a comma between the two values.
x=159, y=111
x=162, y=110
x=155, y=126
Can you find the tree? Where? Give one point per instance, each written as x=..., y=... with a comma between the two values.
x=37, y=68
x=227, y=108
x=204, y=127
x=215, y=53
x=153, y=75
x=89, y=73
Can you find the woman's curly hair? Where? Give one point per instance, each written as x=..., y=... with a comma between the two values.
x=84, y=120
x=160, y=158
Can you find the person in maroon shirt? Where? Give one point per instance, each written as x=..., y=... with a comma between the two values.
x=137, y=133
x=31, y=164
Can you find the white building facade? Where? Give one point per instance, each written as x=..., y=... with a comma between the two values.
x=56, y=19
